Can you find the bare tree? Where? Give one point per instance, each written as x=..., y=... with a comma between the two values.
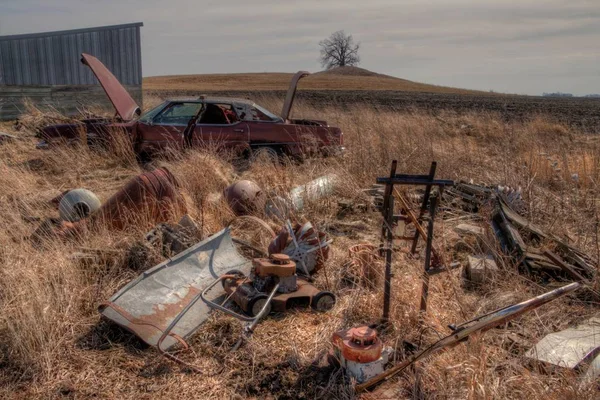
x=339, y=50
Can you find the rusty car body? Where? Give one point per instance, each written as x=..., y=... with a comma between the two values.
x=222, y=122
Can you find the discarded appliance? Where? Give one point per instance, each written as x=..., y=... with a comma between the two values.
x=360, y=352
x=161, y=306
x=304, y=244
x=78, y=204
x=573, y=348
x=272, y=285
x=224, y=121
x=428, y=206
x=316, y=189
x=145, y=200
x=245, y=197
x=464, y=330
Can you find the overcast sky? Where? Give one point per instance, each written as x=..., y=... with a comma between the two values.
x=525, y=46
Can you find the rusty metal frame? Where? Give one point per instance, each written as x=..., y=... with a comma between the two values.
x=221, y=307
x=429, y=206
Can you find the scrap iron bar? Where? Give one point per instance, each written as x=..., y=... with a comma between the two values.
x=464, y=330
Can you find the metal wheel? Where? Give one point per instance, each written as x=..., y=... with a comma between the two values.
x=323, y=301
x=257, y=303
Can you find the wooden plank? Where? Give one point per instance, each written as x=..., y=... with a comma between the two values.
x=569, y=270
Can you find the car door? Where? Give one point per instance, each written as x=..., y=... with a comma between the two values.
x=165, y=129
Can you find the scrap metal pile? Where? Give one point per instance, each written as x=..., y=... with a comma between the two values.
x=166, y=304
x=536, y=252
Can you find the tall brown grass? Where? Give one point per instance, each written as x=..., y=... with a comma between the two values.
x=54, y=344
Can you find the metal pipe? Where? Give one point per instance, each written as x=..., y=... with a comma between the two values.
x=483, y=324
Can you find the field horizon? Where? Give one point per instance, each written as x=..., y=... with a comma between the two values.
x=342, y=78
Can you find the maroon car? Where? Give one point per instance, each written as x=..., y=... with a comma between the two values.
x=226, y=123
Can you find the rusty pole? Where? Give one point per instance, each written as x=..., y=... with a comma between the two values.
x=425, y=288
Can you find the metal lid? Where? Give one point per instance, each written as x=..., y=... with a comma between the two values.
x=279, y=258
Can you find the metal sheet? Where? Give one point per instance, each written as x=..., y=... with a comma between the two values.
x=150, y=303
x=570, y=347
x=124, y=104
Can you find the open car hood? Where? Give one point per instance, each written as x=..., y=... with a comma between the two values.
x=124, y=105
x=289, y=98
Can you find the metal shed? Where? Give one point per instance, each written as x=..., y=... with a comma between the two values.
x=46, y=68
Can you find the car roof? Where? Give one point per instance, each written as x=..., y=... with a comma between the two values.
x=216, y=100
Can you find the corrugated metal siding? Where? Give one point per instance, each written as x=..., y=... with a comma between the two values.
x=52, y=58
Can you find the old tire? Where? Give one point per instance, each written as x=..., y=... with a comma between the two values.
x=256, y=304
x=323, y=301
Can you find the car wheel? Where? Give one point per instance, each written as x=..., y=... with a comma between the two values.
x=257, y=303
x=265, y=155
x=323, y=301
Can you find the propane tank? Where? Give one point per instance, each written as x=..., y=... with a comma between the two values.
x=360, y=352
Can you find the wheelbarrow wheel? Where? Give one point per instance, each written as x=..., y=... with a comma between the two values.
x=257, y=303
x=323, y=301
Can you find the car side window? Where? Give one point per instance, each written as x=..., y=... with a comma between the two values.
x=178, y=114
x=218, y=114
x=258, y=115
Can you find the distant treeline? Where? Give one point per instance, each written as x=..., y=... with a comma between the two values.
x=559, y=94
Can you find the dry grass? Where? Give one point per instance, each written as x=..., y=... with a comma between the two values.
x=53, y=343
x=281, y=81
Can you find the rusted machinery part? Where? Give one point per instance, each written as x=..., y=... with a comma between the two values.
x=149, y=198
x=359, y=344
x=300, y=242
x=245, y=197
x=253, y=219
x=479, y=324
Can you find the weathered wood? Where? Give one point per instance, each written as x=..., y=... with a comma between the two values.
x=64, y=99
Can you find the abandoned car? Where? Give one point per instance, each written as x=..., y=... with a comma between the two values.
x=223, y=123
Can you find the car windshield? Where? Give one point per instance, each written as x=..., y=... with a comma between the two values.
x=266, y=112
x=149, y=116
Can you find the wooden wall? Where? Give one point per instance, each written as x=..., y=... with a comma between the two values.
x=67, y=99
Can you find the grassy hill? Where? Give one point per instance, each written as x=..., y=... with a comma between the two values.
x=344, y=78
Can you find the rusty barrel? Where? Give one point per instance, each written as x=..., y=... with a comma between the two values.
x=147, y=199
